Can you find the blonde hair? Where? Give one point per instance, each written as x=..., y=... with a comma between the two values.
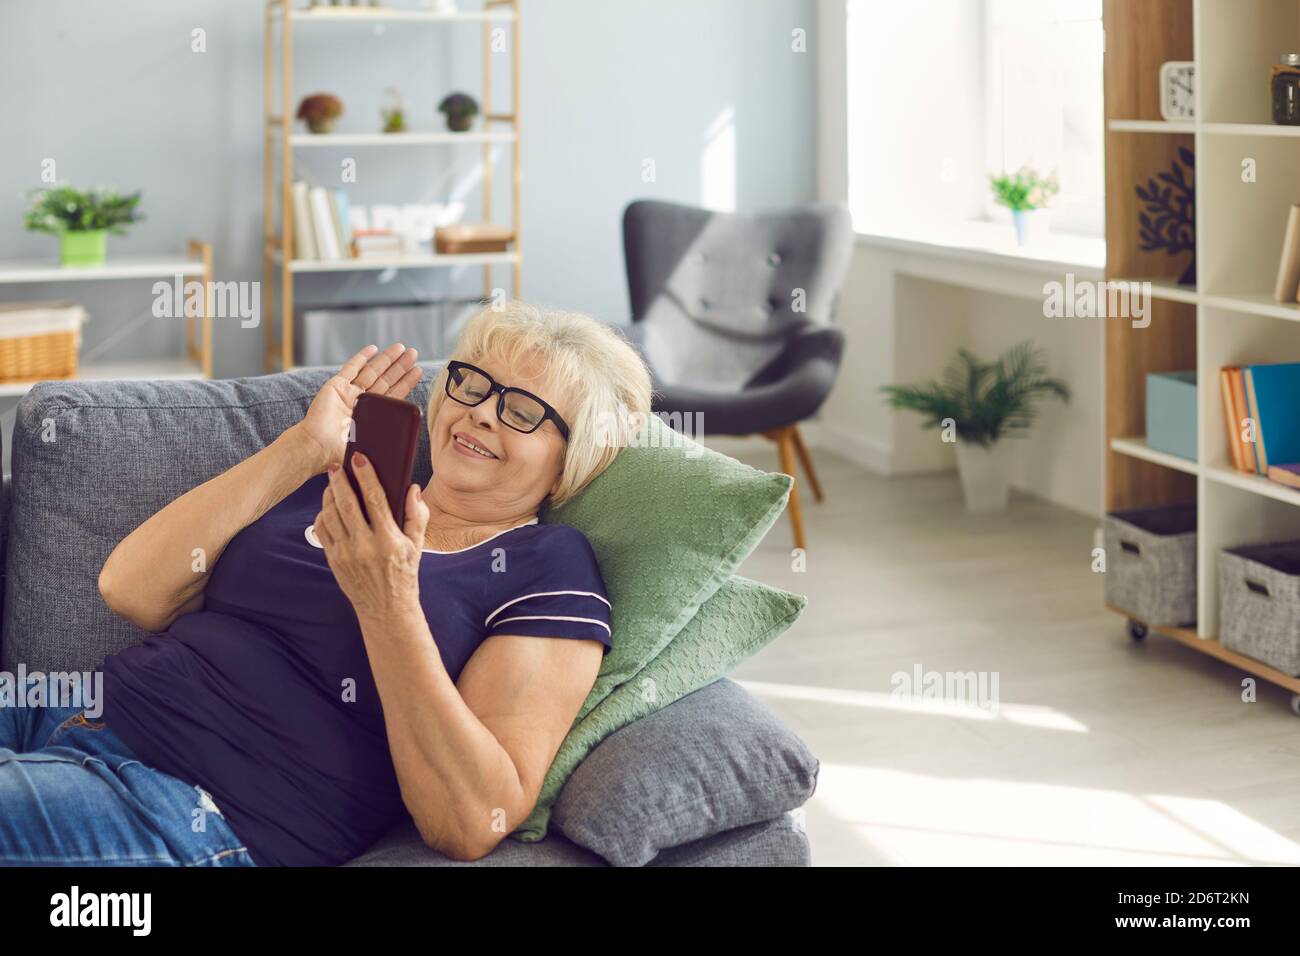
x=605, y=377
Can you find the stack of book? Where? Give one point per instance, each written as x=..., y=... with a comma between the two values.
x=376, y=244
x=327, y=227
x=1260, y=404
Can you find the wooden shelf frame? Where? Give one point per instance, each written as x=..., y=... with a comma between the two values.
x=1230, y=317
x=498, y=128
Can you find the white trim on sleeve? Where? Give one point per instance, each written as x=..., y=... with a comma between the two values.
x=488, y=619
x=547, y=617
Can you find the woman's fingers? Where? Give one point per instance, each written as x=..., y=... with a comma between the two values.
x=329, y=526
x=371, y=371
x=394, y=374
x=406, y=383
x=354, y=365
x=417, y=516
x=340, y=493
x=381, y=516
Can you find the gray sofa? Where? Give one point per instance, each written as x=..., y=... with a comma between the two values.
x=91, y=460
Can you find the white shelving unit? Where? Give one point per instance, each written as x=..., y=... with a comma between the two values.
x=1240, y=220
x=196, y=264
x=1138, y=448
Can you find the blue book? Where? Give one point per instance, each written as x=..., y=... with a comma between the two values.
x=1273, y=392
x=344, y=221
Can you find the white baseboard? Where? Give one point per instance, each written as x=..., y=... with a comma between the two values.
x=864, y=452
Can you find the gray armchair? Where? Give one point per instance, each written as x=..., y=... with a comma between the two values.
x=733, y=315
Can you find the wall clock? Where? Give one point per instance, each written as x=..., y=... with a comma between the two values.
x=1178, y=90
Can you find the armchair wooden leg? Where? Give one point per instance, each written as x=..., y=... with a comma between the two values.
x=806, y=460
x=785, y=449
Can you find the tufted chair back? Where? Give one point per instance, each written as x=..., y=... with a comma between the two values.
x=717, y=296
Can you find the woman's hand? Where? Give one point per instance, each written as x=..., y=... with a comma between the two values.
x=375, y=563
x=324, y=428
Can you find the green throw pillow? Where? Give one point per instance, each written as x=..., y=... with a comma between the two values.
x=669, y=521
x=742, y=617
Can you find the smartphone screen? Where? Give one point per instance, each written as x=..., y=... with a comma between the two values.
x=387, y=431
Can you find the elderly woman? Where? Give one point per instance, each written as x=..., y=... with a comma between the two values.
x=318, y=674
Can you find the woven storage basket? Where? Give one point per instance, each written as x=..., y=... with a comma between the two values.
x=1151, y=564
x=1259, y=603
x=39, y=340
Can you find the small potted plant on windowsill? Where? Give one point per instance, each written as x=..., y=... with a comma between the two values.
x=1026, y=194
x=978, y=404
x=82, y=219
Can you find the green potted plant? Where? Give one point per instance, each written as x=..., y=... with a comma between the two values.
x=1026, y=194
x=979, y=404
x=82, y=219
x=393, y=111
x=319, y=111
x=460, y=110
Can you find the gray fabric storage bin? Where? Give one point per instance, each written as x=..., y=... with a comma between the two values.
x=1151, y=564
x=330, y=337
x=1259, y=603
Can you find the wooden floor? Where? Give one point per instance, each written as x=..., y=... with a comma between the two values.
x=1100, y=751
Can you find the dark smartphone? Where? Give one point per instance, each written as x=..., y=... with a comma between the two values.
x=387, y=431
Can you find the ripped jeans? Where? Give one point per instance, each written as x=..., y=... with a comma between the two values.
x=73, y=794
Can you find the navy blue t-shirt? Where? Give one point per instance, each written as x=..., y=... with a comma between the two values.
x=265, y=697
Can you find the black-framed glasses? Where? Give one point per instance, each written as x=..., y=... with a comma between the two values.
x=516, y=408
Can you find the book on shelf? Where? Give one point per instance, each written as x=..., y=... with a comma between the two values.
x=327, y=240
x=1230, y=418
x=304, y=236
x=1236, y=414
x=377, y=244
x=339, y=213
x=1288, y=267
x=1260, y=403
x=1285, y=475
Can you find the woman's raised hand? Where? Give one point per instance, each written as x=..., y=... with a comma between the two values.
x=392, y=372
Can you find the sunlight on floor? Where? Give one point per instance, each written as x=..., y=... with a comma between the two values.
x=919, y=819
x=1027, y=715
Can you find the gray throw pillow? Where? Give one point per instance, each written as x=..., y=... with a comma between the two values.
x=721, y=760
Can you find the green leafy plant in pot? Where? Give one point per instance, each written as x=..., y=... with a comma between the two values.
x=979, y=404
x=1026, y=194
x=460, y=110
x=82, y=219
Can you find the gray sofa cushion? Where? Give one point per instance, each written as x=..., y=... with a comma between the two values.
x=722, y=760
x=91, y=460
x=781, y=841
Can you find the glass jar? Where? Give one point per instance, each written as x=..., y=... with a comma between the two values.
x=1284, y=87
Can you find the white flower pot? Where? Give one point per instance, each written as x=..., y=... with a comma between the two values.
x=984, y=475
x=1032, y=225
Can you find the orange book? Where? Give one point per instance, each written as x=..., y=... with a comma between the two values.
x=1241, y=412
x=1229, y=414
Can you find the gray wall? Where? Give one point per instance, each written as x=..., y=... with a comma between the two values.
x=113, y=93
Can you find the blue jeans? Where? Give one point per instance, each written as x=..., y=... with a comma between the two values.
x=73, y=794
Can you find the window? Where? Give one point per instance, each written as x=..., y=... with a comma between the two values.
x=941, y=93
x=1044, y=101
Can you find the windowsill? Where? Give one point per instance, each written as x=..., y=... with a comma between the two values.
x=994, y=244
